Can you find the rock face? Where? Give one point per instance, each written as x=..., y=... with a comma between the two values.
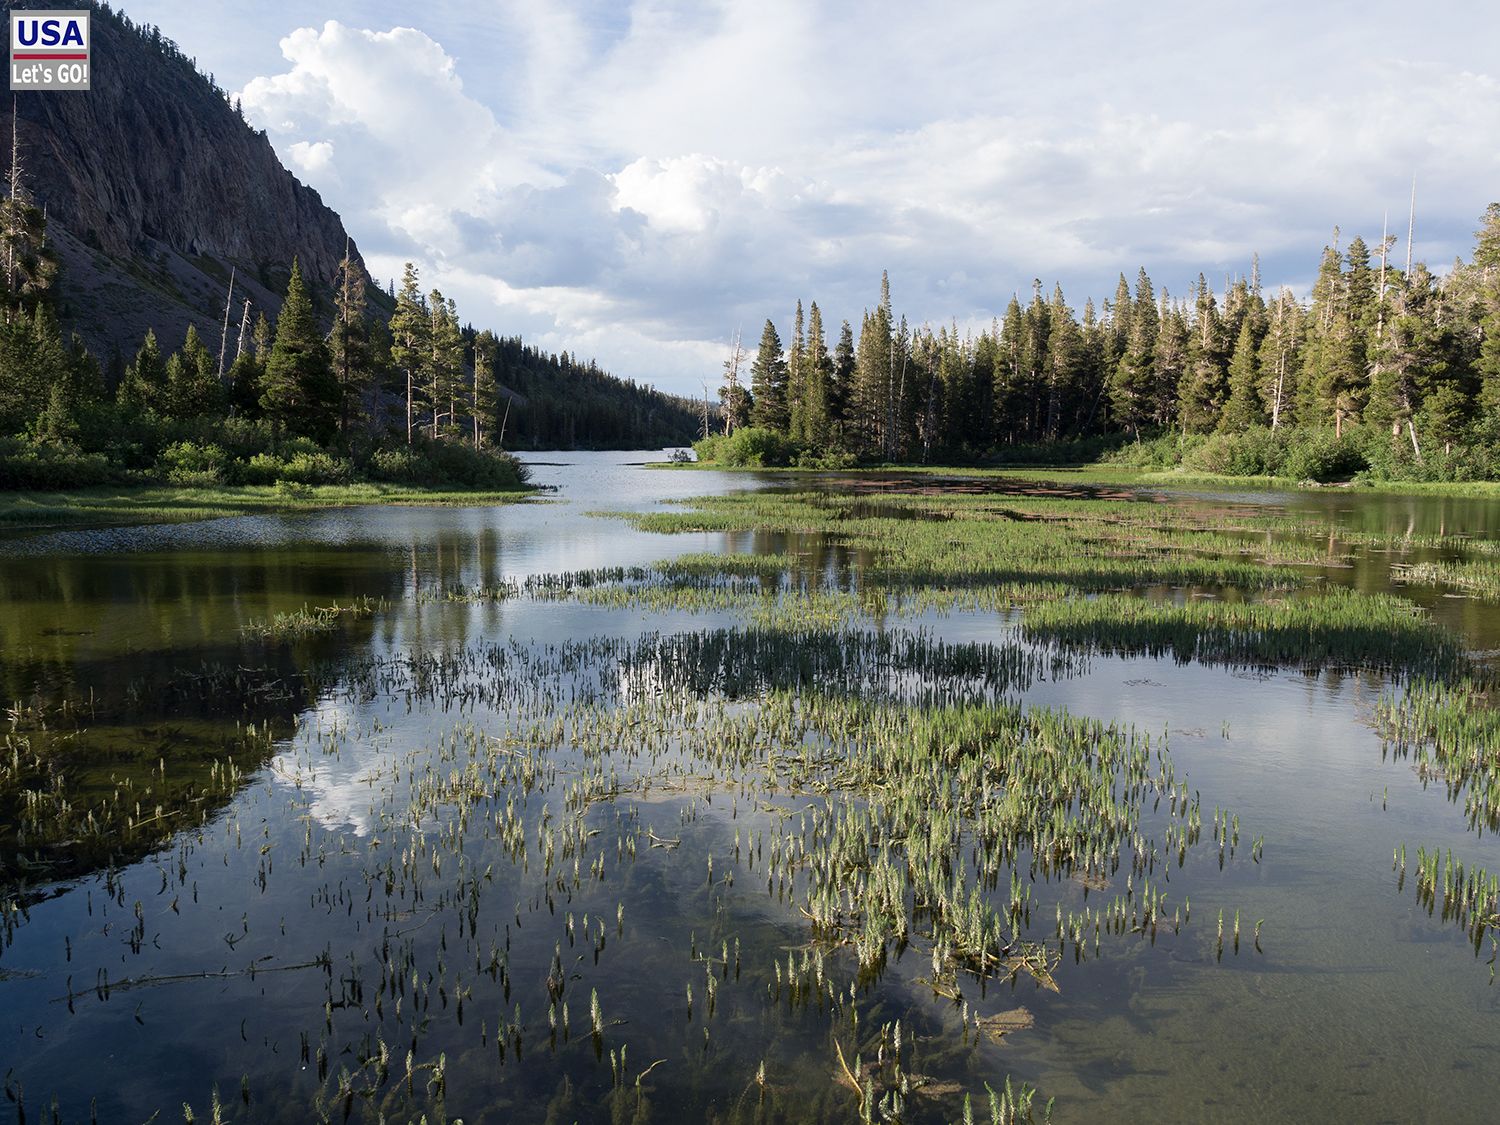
x=155, y=187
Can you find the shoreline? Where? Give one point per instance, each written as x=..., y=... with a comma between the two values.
x=1112, y=475
x=134, y=505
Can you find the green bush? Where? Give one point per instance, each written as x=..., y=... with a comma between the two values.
x=707, y=448
x=1253, y=452
x=1164, y=452
x=194, y=465
x=261, y=468
x=447, y=465
x=1318, y=455
x=396, y=466
x=30, y=465
x=462, y=466
x=810, y=460
x=303, y=467
x=755, y=447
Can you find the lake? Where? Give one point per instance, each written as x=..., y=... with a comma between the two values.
x=499, y=846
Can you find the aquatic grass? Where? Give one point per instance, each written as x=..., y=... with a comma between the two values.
x=1336, y=629
x=1450, y=730
x=1476, y=577
x=311, y=621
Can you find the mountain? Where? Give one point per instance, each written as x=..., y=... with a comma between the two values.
x=155, y=188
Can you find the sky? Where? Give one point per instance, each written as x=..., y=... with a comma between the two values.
x=638, y=181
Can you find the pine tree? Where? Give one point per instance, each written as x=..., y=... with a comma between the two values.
x=1169, y=363
x=818, y=367
x=144, y=387
x=1008, y=398
x=1244, y=408
x=443, y=367
x=349, y=344
x=485, y=388
x=796, y=380
x=1036, y=325
x=299, y=391
x=193, y=389
x=1064, y=364
x=840, y=389
x=410, y=329
x=1487, y=240
x=768, y=382
x=262, y=338
x=1280, y=361
x=1132, y=391
x=1201, y=395
x=30, y=264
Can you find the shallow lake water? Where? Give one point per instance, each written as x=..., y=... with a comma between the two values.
x=351, y=926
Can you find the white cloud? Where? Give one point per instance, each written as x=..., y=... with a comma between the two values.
x=637, y=183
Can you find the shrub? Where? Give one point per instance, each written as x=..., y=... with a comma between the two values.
x=447, y=464
x=397, y=466
x=193, y=464
x=756, y=447
x=1163, y=452
x=1253, y=452
x=25, y=464
x=303, y=467
x=1318, y=455
x=809, y=460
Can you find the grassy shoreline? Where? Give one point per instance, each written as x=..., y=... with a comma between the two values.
x=126, y=505
x=1120, y=475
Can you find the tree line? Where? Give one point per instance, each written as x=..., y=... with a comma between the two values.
x=1381, y=353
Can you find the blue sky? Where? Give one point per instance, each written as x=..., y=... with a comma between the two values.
x=636, y=181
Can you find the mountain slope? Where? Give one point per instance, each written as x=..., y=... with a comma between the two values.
x=155, y=187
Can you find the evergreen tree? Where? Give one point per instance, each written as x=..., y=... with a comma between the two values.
x=1169, y=362
x=410, y=330
x=485, y=389
x=1487, y=240
x=796, y=380
x=349, y=343
x=768, y=382
x=1410, y=366
x=443, y=367
x=30, y=264
x=1244, y=408
x=32, y=361
x=840, y=388
x=1133, y=390
x=193, y=389
x=818, y=380
x=1280, y=361
x=1201, y=394
x=1064, y=364
x=1008, y=383
x=299, y=391
x=261, y=338
x=245, y=377
x=144, y=387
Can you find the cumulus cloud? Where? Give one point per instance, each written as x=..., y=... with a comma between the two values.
x=639, y=182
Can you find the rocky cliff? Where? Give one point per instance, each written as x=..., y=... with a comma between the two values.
x=155, y=187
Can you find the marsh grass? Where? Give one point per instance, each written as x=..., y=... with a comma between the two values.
x=1336, y=629
x=311, y=621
